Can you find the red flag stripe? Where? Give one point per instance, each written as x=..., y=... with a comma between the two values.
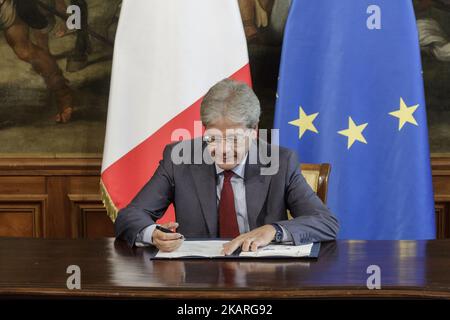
x=125, y=177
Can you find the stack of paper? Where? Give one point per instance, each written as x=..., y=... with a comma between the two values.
x=214, y=249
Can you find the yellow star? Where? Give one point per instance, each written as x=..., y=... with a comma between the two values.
x=305, y=122
x=405, y=114
x=354, y=132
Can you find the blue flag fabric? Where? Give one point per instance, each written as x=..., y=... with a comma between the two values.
x=350, y=93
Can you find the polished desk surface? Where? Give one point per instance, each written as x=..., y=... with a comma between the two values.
x=36, y=268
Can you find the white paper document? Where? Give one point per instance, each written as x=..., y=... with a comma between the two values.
x=277, y=250
x=208, y=249
x=214, y=249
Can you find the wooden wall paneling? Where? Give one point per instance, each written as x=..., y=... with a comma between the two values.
x=59, y=220
x=22, y=185
x=23, y=215
x=442, y=220
x=50, y=166
x=84, y=184
x=89, y=218
x=441, y=185
x=59, y=197
x=55, y=178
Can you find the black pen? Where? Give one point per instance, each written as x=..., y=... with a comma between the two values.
x=165, y=230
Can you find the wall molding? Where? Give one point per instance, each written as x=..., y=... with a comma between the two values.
x=82, y=206
x=50, y=166
x=440, y=164
x=72, y=205
x=32, y=204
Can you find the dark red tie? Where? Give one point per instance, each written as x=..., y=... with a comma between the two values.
x=228, y=225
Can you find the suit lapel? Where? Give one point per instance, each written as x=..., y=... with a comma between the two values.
x=256, y=188
x=204, y=176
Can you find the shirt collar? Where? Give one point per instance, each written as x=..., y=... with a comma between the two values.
x=239, y=170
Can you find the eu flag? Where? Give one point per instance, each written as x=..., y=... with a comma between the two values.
x=350, y=93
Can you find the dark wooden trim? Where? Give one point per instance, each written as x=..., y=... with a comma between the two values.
x=270, y=293
x=440, y=165
x=56, y=173
x=50, y=166
x=442, y=220
x=79, y=204
x=324, y=170
x=36, y=204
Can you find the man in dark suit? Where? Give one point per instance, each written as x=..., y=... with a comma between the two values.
x=228, y=184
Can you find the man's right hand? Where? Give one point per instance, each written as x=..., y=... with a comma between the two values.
x=167, y=242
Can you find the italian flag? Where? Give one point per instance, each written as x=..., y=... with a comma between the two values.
x=167, y=55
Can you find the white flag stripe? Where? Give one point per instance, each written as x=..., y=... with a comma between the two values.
x=167, y=55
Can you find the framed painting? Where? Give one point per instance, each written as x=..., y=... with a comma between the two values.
x=54, y=82
x=264, y=24
x=38, y=118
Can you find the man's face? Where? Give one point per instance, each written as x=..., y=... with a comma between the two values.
x=228, y=142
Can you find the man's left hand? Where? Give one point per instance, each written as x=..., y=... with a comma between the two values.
x=252, y=240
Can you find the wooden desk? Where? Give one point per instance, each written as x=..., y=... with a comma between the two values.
x=31, y=267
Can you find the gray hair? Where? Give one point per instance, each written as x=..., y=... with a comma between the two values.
x=232, y=100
